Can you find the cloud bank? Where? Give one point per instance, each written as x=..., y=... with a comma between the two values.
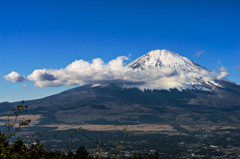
x=97, y=72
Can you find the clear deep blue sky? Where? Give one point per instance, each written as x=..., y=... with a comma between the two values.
x=52, y=34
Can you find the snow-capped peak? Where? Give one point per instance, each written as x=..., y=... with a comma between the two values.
x=164, y=58
x=188, y=73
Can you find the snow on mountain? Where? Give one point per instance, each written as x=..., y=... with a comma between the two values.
x=164, y=58
x=188, y=74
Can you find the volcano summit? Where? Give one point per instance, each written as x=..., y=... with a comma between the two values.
x=174, y=71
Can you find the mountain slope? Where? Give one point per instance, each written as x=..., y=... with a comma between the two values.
x=110, y=104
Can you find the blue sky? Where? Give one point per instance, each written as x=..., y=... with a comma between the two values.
x=52, y=34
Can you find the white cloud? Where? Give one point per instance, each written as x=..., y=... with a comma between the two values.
x=14, y=77
x=199, y=53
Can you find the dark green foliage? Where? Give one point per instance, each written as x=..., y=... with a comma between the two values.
x=136, y=155
x=82, y=153
x=19, y=149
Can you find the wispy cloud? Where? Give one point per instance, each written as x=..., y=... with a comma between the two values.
x=238, y=67
x=24, y=85
x=199, y=53
x=14, y=77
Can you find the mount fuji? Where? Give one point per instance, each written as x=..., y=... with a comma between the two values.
x=191, y=95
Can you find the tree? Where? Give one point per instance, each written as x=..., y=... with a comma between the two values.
x=82, y=153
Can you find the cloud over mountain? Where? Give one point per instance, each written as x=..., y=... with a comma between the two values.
x=97, y=72
x=80, y=72
x=223, y=72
